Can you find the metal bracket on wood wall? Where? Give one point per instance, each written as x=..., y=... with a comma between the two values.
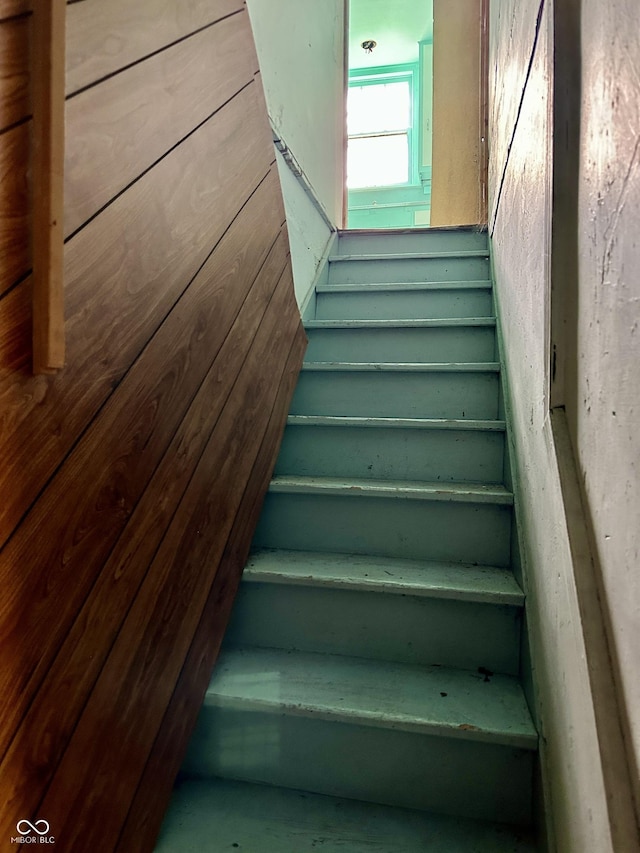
x=47, y=80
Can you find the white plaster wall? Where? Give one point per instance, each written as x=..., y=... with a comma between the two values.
x=300, y=46
x=520, y=150
x=605, y=401
x=309, y=234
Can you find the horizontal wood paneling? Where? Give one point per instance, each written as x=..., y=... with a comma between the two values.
x=8, y=8
x=150, y=650
x=105, y=37
x=124, y=476
x=14, y=71
x=122, y=274
x=183, y=355
x=15, y=254
x=154, y=790
x=123, y=126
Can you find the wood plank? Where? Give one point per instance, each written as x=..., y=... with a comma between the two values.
x=15, y=339
x=111, y=467
x=137, y=681
x=44, y=733
x=154, y=790
x=47, y=165
x=14, y=71
x=123, y=273
x=104, y=37
x=119, y=128
x=15, y=252
x=9, y=8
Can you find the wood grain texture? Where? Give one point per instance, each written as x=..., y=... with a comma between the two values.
x=178, y=352
x=154, y=789
x=14, y=71
x=118, y=129
x=47, y=164
x=110, y=468
x=15, y=251
x=123, y=272
x=15, y=341
x=104, y=37
x=123, y=476
x=9, y=8
x=137, y=680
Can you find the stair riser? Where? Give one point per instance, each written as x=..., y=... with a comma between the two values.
x=396, y=394
x=447, y=775
x=404, y=305
x=377, y=626
x=395, y=454
x=374, y=270
x=416, y=241
x=387, y=527
x=468, y=344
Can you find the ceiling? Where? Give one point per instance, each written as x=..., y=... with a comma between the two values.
x=396, y=25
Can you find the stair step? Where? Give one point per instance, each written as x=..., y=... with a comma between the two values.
x=431, y=302
x=458, y=339
x=434, y=266
x=219, y=815
x=482, y=584
x=444, y=322
x=440, y=522
x=430, y=390
x=328, y=603
x=395, y=286
x=363, y=242
x=481, y=707
x=384, y=448
x=413, y=256
x=401, y=489
x=292, y=718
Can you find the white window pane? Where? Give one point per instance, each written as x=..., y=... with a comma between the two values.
x=378, y=161
x=380, y=107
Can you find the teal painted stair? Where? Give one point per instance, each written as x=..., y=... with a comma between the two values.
x=368, y=693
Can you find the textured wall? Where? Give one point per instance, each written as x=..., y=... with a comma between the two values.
x=520, y=219
x=131, y=481
x=603, y=386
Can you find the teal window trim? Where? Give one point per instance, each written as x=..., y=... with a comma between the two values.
x=379, y=74
x=425, y=104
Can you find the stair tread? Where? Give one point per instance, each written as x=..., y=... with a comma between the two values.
x=412, y=256
x=411, y=489
x=401, y=324
x=392, y=423
x=477, y=706
x=355, y=287
x=220, y=815
x=462, y=582
x=407, y=367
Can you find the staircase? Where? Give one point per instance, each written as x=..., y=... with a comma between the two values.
x=368, y=697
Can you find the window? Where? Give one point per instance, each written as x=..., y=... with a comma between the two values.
x=380, y=110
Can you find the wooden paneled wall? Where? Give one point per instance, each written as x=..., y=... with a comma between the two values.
x=130, y=482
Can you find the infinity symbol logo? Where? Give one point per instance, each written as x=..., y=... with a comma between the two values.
x=32, y=826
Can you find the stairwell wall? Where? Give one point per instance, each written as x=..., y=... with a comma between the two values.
x=301, y=48
x=588, y=784
x=132, y=480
